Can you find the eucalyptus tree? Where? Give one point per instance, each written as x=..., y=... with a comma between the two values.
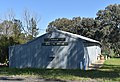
x=109, y=19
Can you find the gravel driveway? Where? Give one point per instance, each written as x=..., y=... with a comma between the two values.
x=25, y=79
x=34, y=79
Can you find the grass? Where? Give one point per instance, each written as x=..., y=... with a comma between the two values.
x=110, y=72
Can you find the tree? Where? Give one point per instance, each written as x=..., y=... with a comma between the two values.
x=61, y=24
x=5, y=42
x=65, y=24
x=18, y=34
x=17, y=28
x=104, y=28
x=109, y=19
x=33, y=28
x=7, y=23
x=85, y=26
x=30, y=25
x=6, y=28
x=12, y=32
x=89, y=27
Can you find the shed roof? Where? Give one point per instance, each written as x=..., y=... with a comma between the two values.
x=78, y=36
x=68, y=33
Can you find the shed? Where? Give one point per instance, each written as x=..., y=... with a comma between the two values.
x=56, y=49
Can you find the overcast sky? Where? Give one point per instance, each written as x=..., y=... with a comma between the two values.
x=49, y=10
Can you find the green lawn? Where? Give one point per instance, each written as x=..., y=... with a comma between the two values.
x=110, y=72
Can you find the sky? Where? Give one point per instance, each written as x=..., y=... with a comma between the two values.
x=49, y=10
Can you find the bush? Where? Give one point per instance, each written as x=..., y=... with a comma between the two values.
x=5, y=42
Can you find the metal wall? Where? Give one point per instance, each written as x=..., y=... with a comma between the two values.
x=93, y=50
x=77, y=54
x=33, y=54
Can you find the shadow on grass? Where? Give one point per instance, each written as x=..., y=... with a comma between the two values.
x=11, y=79
x=111, y=67
x=106, y=72
x=62, y=72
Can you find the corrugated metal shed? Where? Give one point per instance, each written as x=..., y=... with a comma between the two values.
x=57, y=49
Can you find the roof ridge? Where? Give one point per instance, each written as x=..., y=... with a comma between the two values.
x=79, y=36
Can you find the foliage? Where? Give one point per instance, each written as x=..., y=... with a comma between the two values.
x=5, y=42
x=12, y=32
x=85, y=26
x=110, y=26
x=30, y=25
x=104, y=28
x=33, y=29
